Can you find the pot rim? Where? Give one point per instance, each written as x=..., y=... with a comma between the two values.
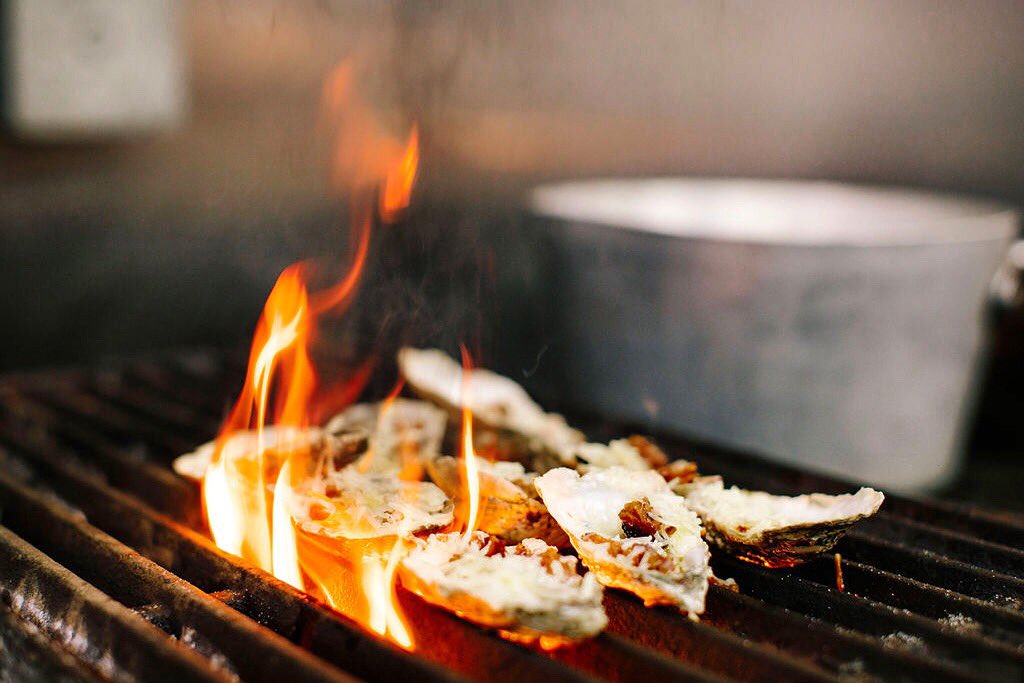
x=776, y=212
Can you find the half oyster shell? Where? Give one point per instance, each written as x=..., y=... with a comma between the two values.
x=632, y=532
x=513, y=425
x=618, y=453
x=351, y=505
x=528, y=591
x=633, y=453
x=509, y=506
x=775, y=531
x=404, y=434
x=278, y=441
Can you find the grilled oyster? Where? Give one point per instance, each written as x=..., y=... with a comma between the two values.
x=509, y=506
x=775, y=531
x=351, y=505
x=510, y=424
x=277, y=442
x=404, y=434
x=634, y=453
x=619, y=453
x=528, y=591
x=632, y=532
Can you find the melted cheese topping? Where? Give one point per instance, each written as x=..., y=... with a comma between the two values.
x=350, y=504
x=510, y=582
x=669, y=566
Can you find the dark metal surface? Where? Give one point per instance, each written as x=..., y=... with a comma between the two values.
x=103, y=633
x=932, y=591
x=29, y=656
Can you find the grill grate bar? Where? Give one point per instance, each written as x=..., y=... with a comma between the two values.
x=734, y=625
x=93, y=627
x=922, y=598
x=139, y=401
x=968, y=651
x=817, y=640
x=31, y=657
x=87, y=410
x=121, y=468
x=929, y=567
x=667, y=631
x=181, y=388
x=950, y=544
x=133, y=580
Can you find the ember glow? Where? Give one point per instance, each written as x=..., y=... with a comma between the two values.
x=247, y=495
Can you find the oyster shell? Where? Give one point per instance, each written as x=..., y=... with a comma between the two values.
x=351, y=505
x=404, y=434
x=528, y=591
x=632, y=532
x=509, y=506
x=633, y=453
x=618, y=453
x=278, y=441
x=513, y=425
x=775, y=531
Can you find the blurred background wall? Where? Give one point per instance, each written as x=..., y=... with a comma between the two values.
x=136, y=241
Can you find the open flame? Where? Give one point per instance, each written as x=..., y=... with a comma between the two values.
x=470, y=468
x=247, y=492
x=394, y=198
x=235, y=493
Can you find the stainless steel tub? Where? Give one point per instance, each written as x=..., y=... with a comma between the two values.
x=834, y=327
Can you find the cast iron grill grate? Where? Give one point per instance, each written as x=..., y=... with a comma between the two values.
x=106, y=574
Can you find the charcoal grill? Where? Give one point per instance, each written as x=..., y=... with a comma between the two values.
x=107, y=573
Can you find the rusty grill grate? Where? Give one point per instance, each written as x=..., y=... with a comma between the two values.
x=106, y=574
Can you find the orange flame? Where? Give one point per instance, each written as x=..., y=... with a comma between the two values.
x=235, y=489
x=366, y=462
x=386, y=617
x=394, y=198
x=248, y=490
x=470, y=468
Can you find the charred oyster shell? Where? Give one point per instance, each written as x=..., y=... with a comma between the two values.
x=510, y=425
x=632, y=532
x=509, y=506
x=528, y=591
x=775, y=531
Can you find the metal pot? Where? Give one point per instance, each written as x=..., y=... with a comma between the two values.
x=834, y=327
